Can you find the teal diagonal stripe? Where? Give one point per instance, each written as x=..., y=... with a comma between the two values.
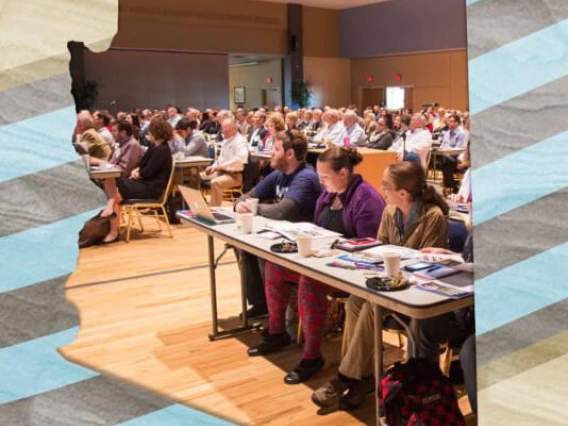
x=518, y=67
x=37, y=143
x=521, y=289
x=520, y=178
x=470, y=2
x=42, y=253
x=35, y=367
x=176, y=415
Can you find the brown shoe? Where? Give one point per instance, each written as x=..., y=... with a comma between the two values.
x=329, y=394
x=357, y=393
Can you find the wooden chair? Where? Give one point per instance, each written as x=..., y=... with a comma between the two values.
x=131, y=208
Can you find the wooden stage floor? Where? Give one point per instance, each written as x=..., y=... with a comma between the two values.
x=145, y=315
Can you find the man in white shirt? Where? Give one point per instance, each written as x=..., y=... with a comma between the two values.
x=354, y=131
x=416, y=143
x=101, y=121
x=334, y=132
x=227, y=171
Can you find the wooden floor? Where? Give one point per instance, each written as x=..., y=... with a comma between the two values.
x=145, y=315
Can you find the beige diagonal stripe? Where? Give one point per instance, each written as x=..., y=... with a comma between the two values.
x=34, y=31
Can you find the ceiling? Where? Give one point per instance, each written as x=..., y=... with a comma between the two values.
x=330, y=4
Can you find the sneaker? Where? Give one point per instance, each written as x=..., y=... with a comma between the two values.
x=270, y=343
x=304, y=371
x=329, y=394
x=357, y=393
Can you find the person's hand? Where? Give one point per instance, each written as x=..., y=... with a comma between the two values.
x=210, y=170
x=462, y=165
x=328, y=144
x=436, y=250
x=135, y=175
x=242, y=207
x=400, y=157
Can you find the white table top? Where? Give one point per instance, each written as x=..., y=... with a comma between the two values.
x=104, y=172
x=193, y=161
x=412, y=302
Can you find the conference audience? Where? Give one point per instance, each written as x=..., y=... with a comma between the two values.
x=349, y=206
x=415, y=217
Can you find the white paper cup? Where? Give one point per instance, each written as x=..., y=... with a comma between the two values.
x=253, y=205
x=246, y=220
x=304, y=245
x=392, y=263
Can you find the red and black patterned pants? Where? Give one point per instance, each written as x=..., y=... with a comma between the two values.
x=312, y=304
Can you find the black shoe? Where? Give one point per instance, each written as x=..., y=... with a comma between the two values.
x=256, y=312
x=303, y=371
x=270, y=343
x=357, y=393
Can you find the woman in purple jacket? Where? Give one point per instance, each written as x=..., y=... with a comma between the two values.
x=348, y=205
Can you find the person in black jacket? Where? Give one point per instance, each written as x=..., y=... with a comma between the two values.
x=383, y=135
x=148, y=181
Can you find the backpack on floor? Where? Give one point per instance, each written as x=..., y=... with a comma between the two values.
x=94, y=230
x=416, y=393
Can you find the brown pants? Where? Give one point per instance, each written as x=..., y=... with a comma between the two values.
x=219, y=182
x=358, y=350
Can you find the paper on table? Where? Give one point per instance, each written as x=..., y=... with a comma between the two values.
x=290, y=230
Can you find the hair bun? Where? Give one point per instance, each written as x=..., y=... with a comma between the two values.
x=355, y=157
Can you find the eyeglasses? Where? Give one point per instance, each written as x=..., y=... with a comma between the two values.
x=386, y=186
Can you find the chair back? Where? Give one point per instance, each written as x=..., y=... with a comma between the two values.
x=457, y=234
x=165, y=195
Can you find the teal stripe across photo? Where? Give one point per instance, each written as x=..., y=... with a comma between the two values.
x=518, y=67
x=41, y=253
x=37, y=143
x=35, y=367
x=176, y=415
x=521, y=289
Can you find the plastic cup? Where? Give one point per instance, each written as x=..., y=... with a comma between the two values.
x=304, y=245
x=392, y=263
x=253, y=205
x=246, y=220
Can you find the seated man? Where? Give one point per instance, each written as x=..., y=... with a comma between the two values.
x=195, y=143
x=257, y=132
x=353, y=130
x=288, y=193
x=93, y=142
x=227, y=171
x=129, y=152
x=101, y=120
x=415, y=144
x=454, y=138
x=334, y=132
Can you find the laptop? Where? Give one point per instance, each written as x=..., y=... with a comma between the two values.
x=194, y=199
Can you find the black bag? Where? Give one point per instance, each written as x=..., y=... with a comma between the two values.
x=416, y=393
x=174, y=204
x=94, y=230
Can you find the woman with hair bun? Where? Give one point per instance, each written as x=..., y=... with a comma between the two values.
x=348, y=205
x=415, y=217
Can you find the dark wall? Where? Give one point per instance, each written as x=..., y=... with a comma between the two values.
x=403, y=26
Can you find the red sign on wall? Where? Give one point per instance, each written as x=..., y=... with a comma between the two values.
x=370, y=78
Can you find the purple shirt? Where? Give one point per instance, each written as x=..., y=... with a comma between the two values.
x=362, y=208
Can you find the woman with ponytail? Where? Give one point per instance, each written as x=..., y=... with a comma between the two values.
x=348, y=205
x=415, y=217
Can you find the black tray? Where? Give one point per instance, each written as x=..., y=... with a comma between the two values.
x=284, y=248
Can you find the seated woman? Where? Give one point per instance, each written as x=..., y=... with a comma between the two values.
x=148, y=181
x=348, y=205
x=415, y=218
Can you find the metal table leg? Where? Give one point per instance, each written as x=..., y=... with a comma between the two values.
x=216, y=334
x=379, y=368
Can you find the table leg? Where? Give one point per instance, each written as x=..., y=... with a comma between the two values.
x=246, y=327
x=213, y=284
x=379, y=368
x=415, y=331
